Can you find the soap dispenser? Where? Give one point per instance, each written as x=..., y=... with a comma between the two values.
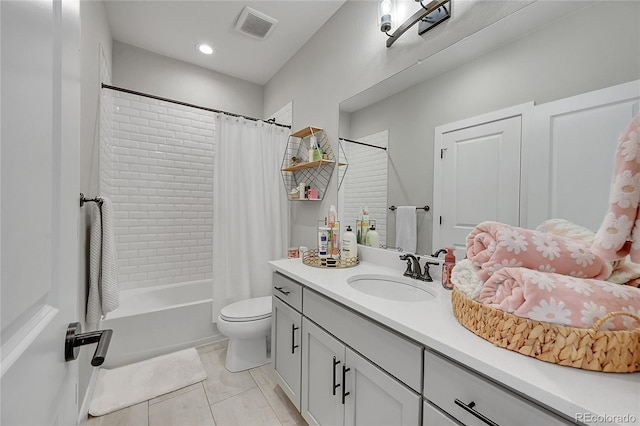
x=372, y=237
x=447, y=267
x=349, y=245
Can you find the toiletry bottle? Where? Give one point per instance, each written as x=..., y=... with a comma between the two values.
x=364, y=225
x=301, y=188
x=447, y=267
x=313, y=146
x=334, y=240
x=323, y=237
x=335, y=246
x=349, y=245
x=333, y=216
x=372, y=237
x=359, y=239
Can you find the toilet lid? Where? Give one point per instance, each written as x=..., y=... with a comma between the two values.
x=247, y=310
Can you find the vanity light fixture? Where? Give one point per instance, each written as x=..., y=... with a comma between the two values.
x=428, y=17
x=205, y=48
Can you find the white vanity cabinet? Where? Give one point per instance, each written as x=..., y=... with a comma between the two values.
x=286, y=335
x=342, y=387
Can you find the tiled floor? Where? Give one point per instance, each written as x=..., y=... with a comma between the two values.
x=246, y=398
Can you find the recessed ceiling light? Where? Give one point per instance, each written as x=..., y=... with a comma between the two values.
x=205, y=48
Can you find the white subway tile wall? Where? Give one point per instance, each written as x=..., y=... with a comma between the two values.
x=365, y=183
x=105, y=123
x=159, y=173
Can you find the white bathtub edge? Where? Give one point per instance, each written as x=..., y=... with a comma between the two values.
x=132, y=357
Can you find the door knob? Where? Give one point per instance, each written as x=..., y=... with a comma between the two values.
x=75, y=338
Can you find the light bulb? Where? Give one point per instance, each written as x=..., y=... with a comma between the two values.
x=385, y=7
x=385, y=11
x=205, y=48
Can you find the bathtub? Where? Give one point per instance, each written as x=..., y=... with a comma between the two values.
x=157, y=320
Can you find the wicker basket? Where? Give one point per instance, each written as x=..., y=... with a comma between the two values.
x=589, y=349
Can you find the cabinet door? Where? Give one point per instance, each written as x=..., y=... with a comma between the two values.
x=286, y=354
x=375, y=398
x=322, y=362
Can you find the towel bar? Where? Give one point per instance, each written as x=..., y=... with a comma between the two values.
x=425, y=208
x=83, y=200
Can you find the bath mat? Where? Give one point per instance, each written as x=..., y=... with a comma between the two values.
x=134, y=383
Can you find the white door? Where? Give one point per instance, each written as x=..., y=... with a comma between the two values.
x=286, y=350
x=479, y=178
x=571, y=156
x=322, y=386
x=39, y=82
x=375, y=398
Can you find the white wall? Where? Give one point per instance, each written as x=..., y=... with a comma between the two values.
x=566, y=58
x=94, y=34
x=144, y=71
x=348, y=55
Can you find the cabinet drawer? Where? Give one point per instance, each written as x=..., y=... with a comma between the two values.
x=397, y=355
x=450, y=386
x=287, y=290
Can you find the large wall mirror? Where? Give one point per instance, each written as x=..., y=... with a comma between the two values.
x=544, y=52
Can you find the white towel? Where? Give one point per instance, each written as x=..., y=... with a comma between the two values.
x=104, y=295
x=466, y=279
x=406, y=229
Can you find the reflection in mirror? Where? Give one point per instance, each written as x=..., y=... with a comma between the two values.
x=499, y=67
x=364, y=186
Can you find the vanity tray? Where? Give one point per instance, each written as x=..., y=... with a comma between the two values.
x=588, y=349
x=311, y=258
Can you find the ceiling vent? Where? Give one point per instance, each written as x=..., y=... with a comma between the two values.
x=255, y=24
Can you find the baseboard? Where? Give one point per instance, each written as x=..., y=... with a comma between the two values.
x=83, y=414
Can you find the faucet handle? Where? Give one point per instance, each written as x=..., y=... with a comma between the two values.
x=426, y=276
x=409, y=271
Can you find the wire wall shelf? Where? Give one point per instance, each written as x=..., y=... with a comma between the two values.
x=308, y=165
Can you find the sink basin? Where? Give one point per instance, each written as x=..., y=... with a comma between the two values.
x=401, y=289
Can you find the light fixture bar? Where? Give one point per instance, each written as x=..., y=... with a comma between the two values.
x=430, y=12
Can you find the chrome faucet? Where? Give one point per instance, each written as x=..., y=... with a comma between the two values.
x=414, y=270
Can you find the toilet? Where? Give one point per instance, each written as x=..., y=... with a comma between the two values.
x=247, y=324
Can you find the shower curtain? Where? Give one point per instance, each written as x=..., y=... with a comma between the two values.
x=250, y=211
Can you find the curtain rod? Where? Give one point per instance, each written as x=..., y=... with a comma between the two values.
x=159, y=98
x=362, y=143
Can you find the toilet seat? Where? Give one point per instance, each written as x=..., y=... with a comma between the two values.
x=253, y=309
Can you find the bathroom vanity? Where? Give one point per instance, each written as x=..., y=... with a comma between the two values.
x=344, y=357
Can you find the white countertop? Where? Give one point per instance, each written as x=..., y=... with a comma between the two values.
x=568, y=390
